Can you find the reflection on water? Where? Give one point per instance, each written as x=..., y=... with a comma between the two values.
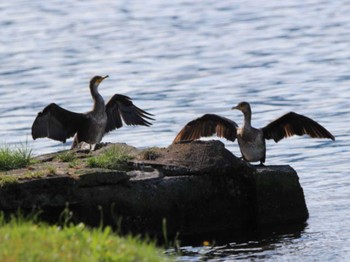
x=225, y=246
x=254, y=249
x=181, y=59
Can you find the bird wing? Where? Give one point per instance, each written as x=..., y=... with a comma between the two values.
x=119, y=108
x=208, y=125
x=294, y=124
x=57, y=123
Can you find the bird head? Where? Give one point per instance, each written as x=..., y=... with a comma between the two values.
x=244, y=107
x=96, y=80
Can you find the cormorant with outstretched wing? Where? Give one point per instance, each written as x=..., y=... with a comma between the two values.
x=251, y=140
x=59, y=124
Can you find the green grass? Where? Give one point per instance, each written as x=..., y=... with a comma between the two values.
x=7, y=180
x=51, y=169
x=66, y=156
x=24, y=240
x=74, y=163
x=12, y=158
x=115, y=157
x=34, y=174
x=70, y=157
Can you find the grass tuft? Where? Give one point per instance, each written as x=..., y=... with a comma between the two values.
x=74, y=163
x=51, y=169
x=115, y=157
x=33, y=174
x=7, y=180
x=25, y=240
x=14, y=158
x=66, y=156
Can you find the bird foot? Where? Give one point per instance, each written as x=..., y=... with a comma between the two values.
x=84, y=147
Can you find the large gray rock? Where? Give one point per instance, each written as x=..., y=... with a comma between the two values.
x=198, y=187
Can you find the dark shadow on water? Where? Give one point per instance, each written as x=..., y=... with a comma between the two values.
x=247, y=244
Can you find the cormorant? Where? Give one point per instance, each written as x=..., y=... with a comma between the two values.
x=252, y=140
x=59, y=124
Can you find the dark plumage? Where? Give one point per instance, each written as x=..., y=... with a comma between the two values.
x=208, y=125
x=252, y=140
x=59, y=124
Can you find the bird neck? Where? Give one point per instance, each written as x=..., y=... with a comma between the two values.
x=247, y=118
x=99, y=104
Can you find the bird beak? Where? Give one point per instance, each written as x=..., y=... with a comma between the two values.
x=235, y=107
x=105, y=77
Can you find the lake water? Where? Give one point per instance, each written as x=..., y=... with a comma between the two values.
x=180, y=59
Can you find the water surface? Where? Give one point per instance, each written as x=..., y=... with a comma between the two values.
x=181, y=59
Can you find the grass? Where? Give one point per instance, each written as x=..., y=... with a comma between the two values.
x=7, y=180
x=70, y=157
x=25, y=240
x=51, y=169
x=12, y=158
x=74, y=163
x=34, y=174
x=115, y=157
x=66, y=156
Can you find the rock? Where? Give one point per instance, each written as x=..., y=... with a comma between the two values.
x=198, y=187
x=279, y=195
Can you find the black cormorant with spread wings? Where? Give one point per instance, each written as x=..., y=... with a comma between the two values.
x=59, y=124
x=252, y=140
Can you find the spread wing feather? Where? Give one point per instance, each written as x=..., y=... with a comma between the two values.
x=119, y=108
x=294, y=124
x=57, y=123
x=208, y=125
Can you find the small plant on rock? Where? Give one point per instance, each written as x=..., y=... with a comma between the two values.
x=7, y=179
x=51, y=169
x=14, y=158
x=66, y=156
x=115, y=157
